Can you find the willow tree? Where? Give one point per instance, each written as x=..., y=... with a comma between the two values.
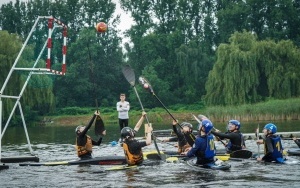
x=249, y=71
x=194, y=65
x=280, y=63
x=235, y=75
x=38, y=94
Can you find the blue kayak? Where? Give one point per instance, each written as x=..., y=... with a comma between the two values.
x=217, y=165
x=294, y=151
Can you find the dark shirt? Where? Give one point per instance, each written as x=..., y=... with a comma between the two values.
x=269, y=149
x=135, y=146
x=234, y=137
x=297, y=142
x=180, y=137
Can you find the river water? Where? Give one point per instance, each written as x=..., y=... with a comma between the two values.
x=57, y=144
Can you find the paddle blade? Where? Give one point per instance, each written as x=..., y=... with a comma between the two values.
x=146, y=84
x=99, y=126
x=129, y=74
x=242, y=154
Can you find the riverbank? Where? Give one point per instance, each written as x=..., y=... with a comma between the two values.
x=163, y=118
x=273, y=110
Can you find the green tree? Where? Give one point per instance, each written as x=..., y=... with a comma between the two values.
x=248, y=70
x=38, y=94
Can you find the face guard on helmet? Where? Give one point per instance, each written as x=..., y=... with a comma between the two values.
x=79, y=128
x=188, y=125
x=235, y=123
x=127, y=132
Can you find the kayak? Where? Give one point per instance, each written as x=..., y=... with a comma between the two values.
x=217, y=165
x=286, y=160
x=127, y=167
x=105, y=160
x=173, y=156
x=293, y=151
x=19, y=159
x=291, y=161
x=239, y=154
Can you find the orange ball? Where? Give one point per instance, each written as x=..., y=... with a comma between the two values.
x=101, y=27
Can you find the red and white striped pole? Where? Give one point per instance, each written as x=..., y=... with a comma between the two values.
x=64, y=51
x=49, y=46
x=49, y=43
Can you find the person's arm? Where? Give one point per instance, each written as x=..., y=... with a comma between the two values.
x=194, y=150
x=126, y=107
x=224, y=135
x=90, y=123
x=173, y=139
x=297, y=141
x=140, y=122
x=98, y=142
x=269, y=149
x=119, y=107
x=174, y=123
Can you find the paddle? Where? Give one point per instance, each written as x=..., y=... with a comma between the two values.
x=130, y=77
x=99, y=124
x=146, y=84
x=257, y=138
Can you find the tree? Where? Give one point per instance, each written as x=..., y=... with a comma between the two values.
x=248, y=70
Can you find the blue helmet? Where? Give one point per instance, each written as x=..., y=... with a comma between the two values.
x=207, y=124
x=236, y=123
x=271, y=127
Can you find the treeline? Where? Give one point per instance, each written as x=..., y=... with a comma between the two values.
x=211, y=52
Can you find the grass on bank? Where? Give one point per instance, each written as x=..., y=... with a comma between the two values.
x=288, y=109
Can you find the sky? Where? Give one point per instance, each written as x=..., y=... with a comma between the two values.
x=126, y=20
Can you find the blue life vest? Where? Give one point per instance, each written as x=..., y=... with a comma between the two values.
x=277, y=148
x=210, y=147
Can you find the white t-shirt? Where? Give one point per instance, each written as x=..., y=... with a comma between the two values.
x=123, y=108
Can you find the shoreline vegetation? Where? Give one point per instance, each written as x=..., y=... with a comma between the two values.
x=288, y=109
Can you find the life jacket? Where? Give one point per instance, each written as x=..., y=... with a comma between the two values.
x=234, y=147
x=190, y=138
x=277, y=148
x=182, y=143
x=183, y=148
x=134, y=156
x=210, y=147
x=87, y=148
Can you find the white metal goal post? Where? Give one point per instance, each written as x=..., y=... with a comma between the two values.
x=53, y=23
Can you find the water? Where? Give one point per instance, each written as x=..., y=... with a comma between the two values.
x=57, y=144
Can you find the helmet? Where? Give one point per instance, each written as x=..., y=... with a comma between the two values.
x=186, y=124
x=236, y=123
x=271, y=127
x=207, y=124
x=78, y=128
x=127, y=132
